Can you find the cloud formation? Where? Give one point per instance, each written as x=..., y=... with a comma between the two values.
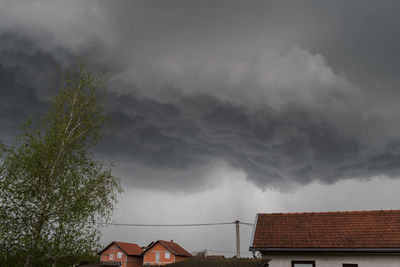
x=267, y=95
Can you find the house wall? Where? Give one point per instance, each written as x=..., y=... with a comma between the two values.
x=126, y=261
x=150, y=255
x=365, y=260
x=134, y=261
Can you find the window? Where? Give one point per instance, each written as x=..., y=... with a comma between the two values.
x=119, y=255
x=167, y=255
x=157, y=256
x=111, y=256
x=303, y=263
x=350, y=265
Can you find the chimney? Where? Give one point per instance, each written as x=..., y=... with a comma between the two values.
x=172, y=241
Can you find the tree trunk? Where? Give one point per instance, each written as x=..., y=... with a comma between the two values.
x=28, y=261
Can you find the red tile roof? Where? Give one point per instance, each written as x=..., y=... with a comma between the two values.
x=172, y=246
x=130, y=249
x=338, y=230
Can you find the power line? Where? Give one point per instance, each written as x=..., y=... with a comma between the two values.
x=218, y=251
x=172, y=225
x=164, y=225
x=249, y=224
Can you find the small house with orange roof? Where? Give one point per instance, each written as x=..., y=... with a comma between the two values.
x=125, y=254
x=163, y=252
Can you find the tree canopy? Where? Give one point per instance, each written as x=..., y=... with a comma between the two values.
x=54, y=195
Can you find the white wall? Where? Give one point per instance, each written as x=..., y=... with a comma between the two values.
x=337, y=260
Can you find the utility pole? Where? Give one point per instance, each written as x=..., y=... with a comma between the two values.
x=237, y=239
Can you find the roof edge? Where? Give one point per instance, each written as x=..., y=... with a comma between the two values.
x=162, y=242
x=329, y=212
x=149, y=247
x=254, y=230
x=116, y=243
x=106, y=247
x=366, y=250
x=165, y=245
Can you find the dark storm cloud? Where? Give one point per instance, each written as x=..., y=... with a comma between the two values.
x=20, y=82
x=358, y=37
x=272, y=147
x=284, y=91
x=14, y=99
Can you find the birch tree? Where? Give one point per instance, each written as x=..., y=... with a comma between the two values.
x=53, y=193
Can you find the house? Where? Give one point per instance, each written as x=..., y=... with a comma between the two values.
x=163, y=252
x=325, y=239
x=199, y=262
x=122, y=253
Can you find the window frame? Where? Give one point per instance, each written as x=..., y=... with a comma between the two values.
x=169, y=255
x=158, y=259
x=304, y=262
x=111, y=256
x=119, y=255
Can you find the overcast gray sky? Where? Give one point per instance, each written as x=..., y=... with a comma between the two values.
x=222, y=109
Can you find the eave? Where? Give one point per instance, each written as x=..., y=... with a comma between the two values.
x=326, y=250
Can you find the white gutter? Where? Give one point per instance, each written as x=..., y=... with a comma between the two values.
x=353, y=250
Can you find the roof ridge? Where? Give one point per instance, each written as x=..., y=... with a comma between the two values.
x=125, y=242
x=165, y=241
x=331, y=212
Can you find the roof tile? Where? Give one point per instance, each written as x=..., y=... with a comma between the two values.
x=349, y=229
x=129, y=248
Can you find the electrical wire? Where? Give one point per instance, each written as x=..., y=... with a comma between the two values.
x=221, y=251
x=173, y=225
